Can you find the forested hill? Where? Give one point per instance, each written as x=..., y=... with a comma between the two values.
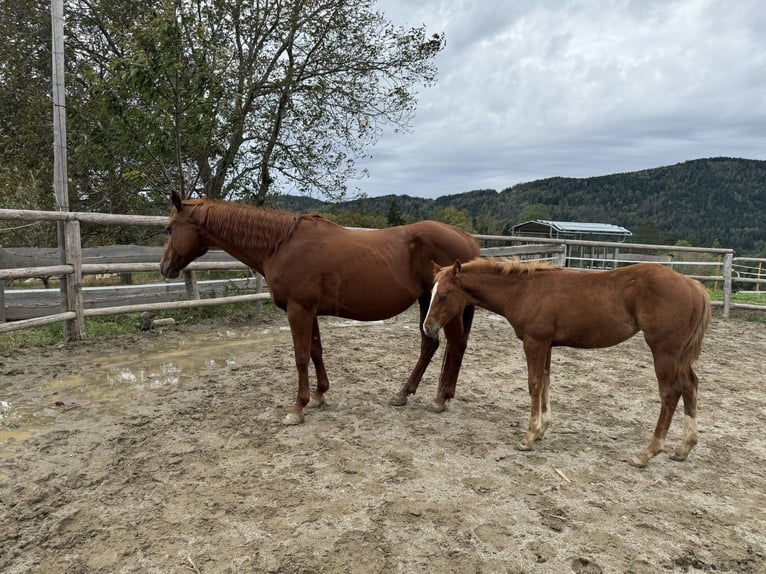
x=705, y=202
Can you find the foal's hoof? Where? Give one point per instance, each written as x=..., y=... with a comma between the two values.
x=435, y=407
x=292, y=419
x=638, y=461
x=678, y=457
x=523, y=447
x=397, y=401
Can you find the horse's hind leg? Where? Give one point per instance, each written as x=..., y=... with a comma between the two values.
x=545, y=401
x=689, y=393
x=323, y=382
x=670, y=387
x=428, y=346
x=456, y=331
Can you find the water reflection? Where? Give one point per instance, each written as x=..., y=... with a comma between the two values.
x=29, y=411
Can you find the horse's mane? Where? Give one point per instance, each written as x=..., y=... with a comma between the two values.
x=255, y=228
x=502, y=266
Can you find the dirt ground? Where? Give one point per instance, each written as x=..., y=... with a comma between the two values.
x=165, y=452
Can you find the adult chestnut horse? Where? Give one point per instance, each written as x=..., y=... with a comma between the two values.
x=314, y=267
x=548, y=306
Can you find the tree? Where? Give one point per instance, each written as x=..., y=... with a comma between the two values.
x=357, y=219
x=394, y=214
x=225, y=98
x=648, y=233
x=532, y=212
x=457, y=217
x=232, y=98
x=485, y=223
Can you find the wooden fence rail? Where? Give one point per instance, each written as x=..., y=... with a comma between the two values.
x=74, y=262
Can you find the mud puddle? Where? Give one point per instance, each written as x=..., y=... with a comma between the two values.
x=107, y=387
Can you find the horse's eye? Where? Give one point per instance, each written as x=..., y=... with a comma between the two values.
x=442, y=297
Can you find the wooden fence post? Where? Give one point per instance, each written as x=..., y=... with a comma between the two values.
x=728, y=260
x=74, y=329
x=3, y=286
x=260, y=284
x=190, y=280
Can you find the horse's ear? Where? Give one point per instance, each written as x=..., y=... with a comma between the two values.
x=457, y=268
x=436, y=266
x=176, y=199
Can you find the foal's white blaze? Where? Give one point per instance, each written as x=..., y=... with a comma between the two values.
x=431, y=304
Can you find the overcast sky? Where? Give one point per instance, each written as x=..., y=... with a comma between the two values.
x=535, y=89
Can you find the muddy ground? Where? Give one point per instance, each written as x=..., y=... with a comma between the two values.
x=164, y=452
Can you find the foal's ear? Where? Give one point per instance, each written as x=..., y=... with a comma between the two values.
x=176, y=199
x=436, y=266
x=457, y=268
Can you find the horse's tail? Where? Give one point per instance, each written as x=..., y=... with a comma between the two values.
x=704, y=315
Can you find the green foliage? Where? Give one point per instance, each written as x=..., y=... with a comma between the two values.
x=532, y=212
x=116, y=325
x=485, y=223
x=394, y=214
x=231, y=99
x=357, y=219
x=458, y=217
x=705, y=202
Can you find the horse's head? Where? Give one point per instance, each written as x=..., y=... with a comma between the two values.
x=186, y=240
x=447, y=298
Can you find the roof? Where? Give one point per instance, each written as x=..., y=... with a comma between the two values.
x=574, y=227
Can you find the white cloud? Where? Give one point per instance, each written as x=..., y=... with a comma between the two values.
x=538, y=89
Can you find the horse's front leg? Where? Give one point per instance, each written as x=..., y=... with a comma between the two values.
x=428, y=346
x=323, y=382
x=300, y=321
x=457, y=341
x=537, y=354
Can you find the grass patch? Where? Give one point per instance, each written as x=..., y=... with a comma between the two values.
x=113, y=326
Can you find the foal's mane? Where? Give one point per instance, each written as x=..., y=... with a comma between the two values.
x=248, y=226
x=501, y=266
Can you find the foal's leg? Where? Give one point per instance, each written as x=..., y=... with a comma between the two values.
x=457, y=340
x=545, y=402
x=670, y=387
x=537, y=357
x=428, y=346
x=300, y=321
x=323, y=383
x=689, y=393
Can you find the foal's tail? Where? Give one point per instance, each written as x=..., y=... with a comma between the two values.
x=704, y=315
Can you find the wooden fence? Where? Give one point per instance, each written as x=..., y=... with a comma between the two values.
x=73, y=263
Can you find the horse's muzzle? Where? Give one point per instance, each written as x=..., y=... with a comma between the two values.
x=168, y=271
x=431, y=330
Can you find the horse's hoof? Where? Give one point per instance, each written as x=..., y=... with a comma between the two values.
x=678, y=457
x=315, y=403
x=435, y=407
x=638, y=461
x=523, y=447
x=292, y=419
x=397, y=401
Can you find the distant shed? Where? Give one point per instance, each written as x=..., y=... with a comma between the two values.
x=571, y=230
x=587, y=256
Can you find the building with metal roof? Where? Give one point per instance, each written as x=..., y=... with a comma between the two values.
x=571, y=230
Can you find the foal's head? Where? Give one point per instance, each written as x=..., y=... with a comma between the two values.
x=185, y=242
x=447, y=298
